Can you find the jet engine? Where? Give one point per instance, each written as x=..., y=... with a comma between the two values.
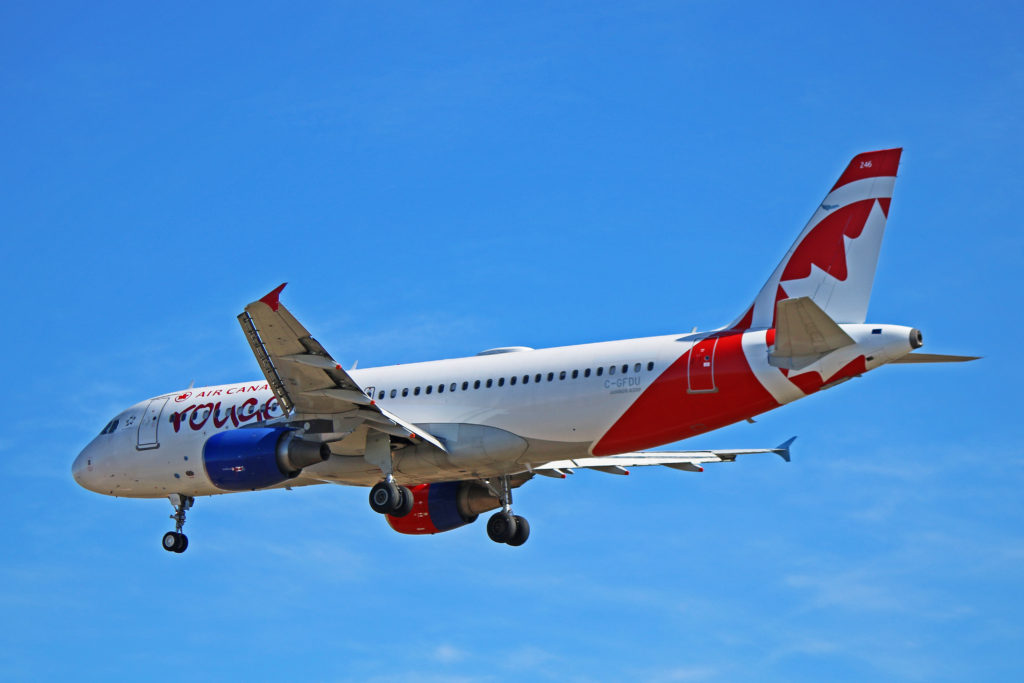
x=444, y=506
x=249, y=459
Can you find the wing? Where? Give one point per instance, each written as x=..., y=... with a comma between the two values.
x=308, y=383
x=688, y=461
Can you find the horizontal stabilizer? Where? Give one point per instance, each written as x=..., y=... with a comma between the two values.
x=933, y=358
x=804, y=334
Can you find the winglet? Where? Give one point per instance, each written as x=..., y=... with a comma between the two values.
x=274, y=298
x=783, y=448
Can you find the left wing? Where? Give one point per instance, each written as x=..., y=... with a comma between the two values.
x=308, y=383
x=688, y=461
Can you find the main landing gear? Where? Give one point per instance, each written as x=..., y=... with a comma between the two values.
x=388, y=498
x=175, y=541
x=503, y=526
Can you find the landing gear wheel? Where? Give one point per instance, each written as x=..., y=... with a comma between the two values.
x=385, y=498
x=501, y=527
x=405, y=506
x=522, y=532
x=175, y=542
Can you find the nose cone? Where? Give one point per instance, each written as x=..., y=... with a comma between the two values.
x=81, y=468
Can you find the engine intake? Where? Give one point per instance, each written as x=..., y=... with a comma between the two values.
x=249, y=459
x=444, y=506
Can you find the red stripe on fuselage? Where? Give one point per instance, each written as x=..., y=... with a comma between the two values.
x=666, y=412
x=810, y=382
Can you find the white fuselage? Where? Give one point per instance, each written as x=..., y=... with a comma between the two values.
x=509, y=409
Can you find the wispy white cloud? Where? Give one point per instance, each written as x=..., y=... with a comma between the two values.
x=448, y=654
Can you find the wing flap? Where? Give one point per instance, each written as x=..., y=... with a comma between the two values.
x=307, y=380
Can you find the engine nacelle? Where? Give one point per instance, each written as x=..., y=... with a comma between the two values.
x=444, y=506
x=249, y=459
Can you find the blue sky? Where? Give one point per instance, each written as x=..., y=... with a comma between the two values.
x=433, y=180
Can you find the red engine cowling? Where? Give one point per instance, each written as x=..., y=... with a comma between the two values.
x=444, y=506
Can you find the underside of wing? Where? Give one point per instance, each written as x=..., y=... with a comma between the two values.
x=688, y=461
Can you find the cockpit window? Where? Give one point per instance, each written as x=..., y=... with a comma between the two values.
x=111, y=426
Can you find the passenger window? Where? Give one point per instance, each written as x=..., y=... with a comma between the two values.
x=611, y=369
x=561, y=375
x=476, y=384
x=452, y=387
x=650, y=366
x=526, y=379
x=440, y=388
x=537, y=378
x=636, y=368
x=512, y=380
x=430, y=388
x=501, y=381
x=394, y=392
x=416, y=391
x=405, y=392
x=551, y=376
x=489, y=383
x=465, y=385
x=575, y=374
x=625, y=368
x=380, y=395
x=586, y=373
x=600, y=371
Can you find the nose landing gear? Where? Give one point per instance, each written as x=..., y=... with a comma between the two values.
x=175, y=541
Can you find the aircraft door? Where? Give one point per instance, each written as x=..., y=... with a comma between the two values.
x=700, y=374
x=150, y=423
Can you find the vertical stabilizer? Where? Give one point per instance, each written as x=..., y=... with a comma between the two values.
x=833, y=260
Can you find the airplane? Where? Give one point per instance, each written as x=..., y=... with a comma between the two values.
x=441, y=442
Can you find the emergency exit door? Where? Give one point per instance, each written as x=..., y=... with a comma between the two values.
x=700, y=374
x=150, y=423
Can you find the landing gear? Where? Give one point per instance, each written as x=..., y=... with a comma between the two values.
x=175, y=541
x=522, y=532
x=388, y=498
x=503, y=526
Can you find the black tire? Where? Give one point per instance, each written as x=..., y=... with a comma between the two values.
x=501, y=527
x=170, y=541
x=405, y=506
x=182, y=543
x=522, y=532
x=384, y=498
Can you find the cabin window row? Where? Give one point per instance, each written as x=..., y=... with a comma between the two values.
x=537, y=378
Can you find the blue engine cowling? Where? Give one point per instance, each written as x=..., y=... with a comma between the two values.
x=254, y=458
x=443, y=506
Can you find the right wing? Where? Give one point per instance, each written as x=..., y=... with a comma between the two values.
x=688, y=461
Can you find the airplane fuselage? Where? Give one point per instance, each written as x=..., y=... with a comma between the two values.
x=497, y=412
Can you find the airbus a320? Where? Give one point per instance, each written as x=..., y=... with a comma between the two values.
x=442, y=442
